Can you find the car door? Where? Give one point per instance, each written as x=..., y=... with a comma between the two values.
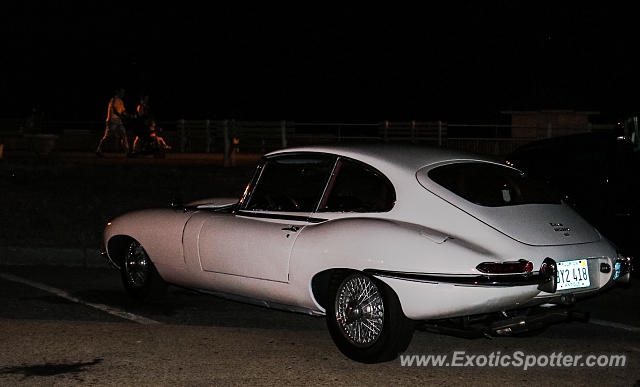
x=256, y=240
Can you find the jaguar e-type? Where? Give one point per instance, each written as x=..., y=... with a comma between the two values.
x=377, y=239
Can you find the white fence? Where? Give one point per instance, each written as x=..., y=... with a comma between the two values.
x=226, y=136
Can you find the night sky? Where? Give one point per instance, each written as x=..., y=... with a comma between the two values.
x=463, y=62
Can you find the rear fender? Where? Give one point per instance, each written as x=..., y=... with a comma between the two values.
x=369, y=243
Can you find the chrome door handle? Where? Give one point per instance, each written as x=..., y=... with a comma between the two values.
x=291, y=228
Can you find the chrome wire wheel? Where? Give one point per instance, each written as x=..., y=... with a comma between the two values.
x=136, y=265
x=359, y=310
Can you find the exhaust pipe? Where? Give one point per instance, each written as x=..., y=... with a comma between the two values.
x=525, y=323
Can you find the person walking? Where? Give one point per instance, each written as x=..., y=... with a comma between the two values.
x=142, y=128
x=116, y=113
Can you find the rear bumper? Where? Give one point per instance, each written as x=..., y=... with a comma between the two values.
x=425, y=296
x=546, y=278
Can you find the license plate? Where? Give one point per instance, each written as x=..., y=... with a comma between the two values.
x=573, y=274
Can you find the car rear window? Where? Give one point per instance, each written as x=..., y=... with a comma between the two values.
x=492, y=185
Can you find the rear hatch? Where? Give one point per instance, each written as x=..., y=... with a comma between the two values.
x=504, y=198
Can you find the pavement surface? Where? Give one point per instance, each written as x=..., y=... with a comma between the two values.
x=65, y=320
x=75, y=326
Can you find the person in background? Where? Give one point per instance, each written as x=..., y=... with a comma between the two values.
x=154, y=130
x=143, y=113
x=116, y=113
x=142, y=128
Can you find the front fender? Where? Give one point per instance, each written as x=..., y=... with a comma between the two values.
x=159, y=231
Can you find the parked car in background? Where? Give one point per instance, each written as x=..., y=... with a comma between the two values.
x=377, y=239
x=597, y=173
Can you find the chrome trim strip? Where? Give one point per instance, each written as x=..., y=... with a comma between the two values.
x=301, y=218
x=329, y=180
x=462, y=279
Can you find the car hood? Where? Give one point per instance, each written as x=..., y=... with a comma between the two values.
x=213, y=202
x=532, y=224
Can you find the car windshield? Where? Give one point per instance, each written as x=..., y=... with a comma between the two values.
x=492, y=185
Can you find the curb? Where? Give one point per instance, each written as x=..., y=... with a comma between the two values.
x=51, y=256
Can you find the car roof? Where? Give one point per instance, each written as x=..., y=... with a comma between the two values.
x=409, y=156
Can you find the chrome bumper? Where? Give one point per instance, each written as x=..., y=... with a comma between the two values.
x=546, y=278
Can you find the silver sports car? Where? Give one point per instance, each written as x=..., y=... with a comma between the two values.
x=377, y=239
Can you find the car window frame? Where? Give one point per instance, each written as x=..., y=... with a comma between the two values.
x=257, y=175
x=367, y=167
x=255, y=181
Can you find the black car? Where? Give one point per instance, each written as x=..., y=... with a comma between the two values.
x=597, y=175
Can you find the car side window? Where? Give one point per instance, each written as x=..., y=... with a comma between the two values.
x=291, y=183
x=358, y=188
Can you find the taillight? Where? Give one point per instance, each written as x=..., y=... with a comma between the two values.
x=518, y=267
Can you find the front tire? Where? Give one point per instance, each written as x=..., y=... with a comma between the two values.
x=139, y=276
x=365, y=319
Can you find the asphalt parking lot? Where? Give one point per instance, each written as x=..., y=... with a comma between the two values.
x=73, y=325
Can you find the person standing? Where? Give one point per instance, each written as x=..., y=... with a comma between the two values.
x=142, y=128
x=116, y=113
x=144, y=110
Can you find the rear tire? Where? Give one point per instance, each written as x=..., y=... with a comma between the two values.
x=139, y=276
x=365, y=319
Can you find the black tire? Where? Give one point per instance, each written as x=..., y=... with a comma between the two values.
x=139, y=276
x=375, y=307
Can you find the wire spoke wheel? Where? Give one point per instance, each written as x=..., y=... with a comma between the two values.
x=136, y=265
x=139, y=275
x=359, y=310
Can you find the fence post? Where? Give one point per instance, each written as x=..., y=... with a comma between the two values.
x=439, y=133
x=227, y=145
x=386, y=130
x=207, y=133
x=413, y=131
x=182, y=135
x=283, y=133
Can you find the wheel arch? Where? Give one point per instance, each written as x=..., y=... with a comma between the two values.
x=344, y=252
x=321, y=283
x=117, y=247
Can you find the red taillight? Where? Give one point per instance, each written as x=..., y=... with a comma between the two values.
x=518, y=267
